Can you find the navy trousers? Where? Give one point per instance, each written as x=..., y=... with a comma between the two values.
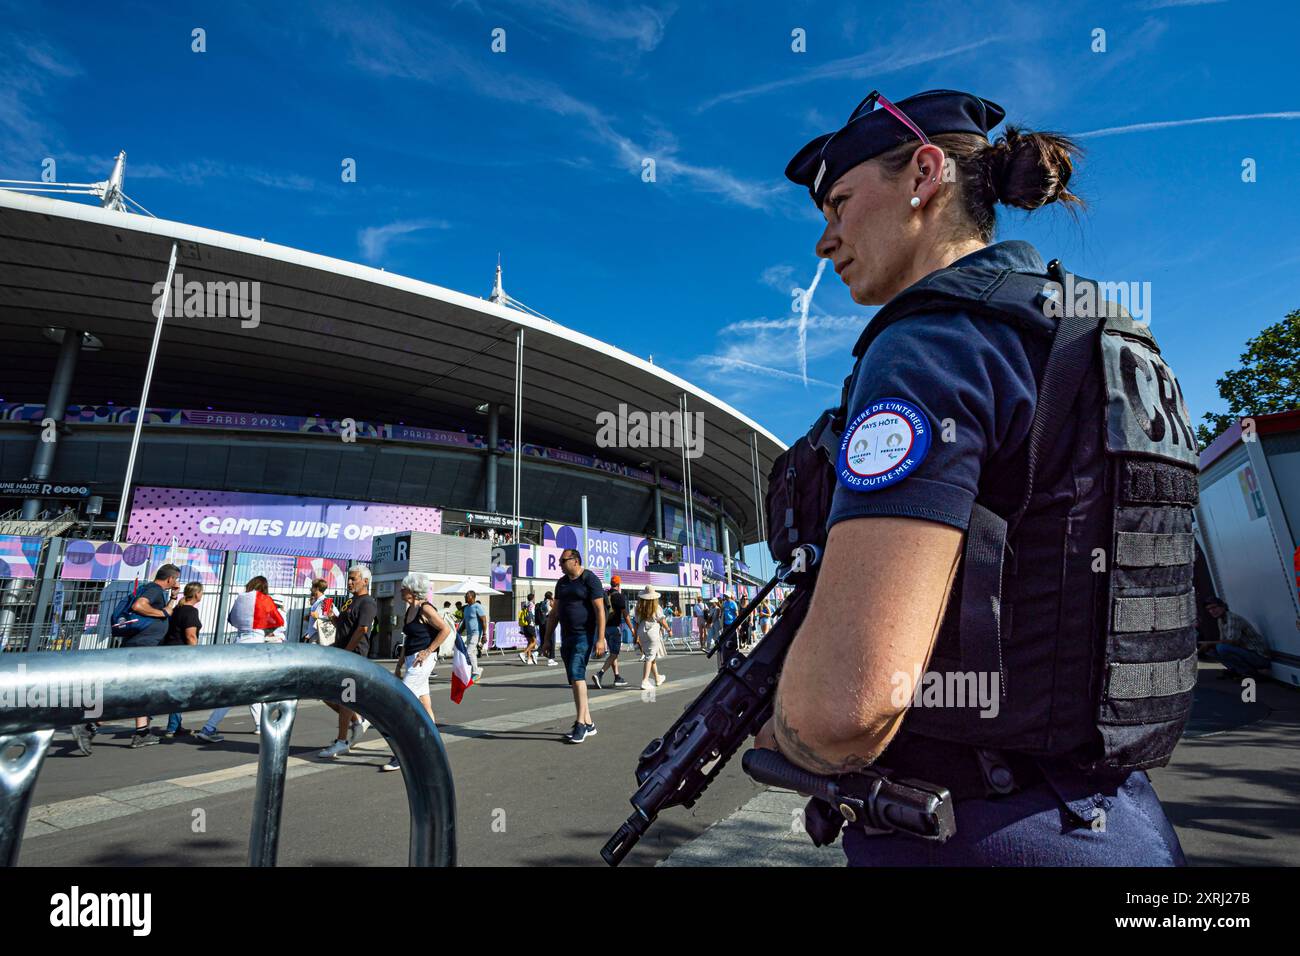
x=1050, y=824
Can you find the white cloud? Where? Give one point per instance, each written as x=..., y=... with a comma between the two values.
x=375, y=240
x=726, y=364
x=641, y=24
x=198, y=172
x=1165, y=4
x=415, y=54
x=874, y=63
x=1168, y=124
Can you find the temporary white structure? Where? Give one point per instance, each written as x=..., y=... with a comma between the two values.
x=477, y=585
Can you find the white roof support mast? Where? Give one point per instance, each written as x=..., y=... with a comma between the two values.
x=109, y=191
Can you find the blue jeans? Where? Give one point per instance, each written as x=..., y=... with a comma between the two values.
x=173, y=723
x=1043, y=825
x=1241, y=661
x=576, y=653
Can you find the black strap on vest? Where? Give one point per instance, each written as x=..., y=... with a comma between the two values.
x=987, y=534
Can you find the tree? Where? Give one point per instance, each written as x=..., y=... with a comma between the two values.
x=1268, y=380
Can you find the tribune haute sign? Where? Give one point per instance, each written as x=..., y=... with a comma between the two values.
x=42, y=489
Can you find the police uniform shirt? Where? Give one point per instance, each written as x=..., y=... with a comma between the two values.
x=971, y=378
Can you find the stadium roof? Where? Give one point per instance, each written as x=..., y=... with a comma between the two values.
x=416, y=352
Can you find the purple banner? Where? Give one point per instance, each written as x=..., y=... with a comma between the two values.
x=605, y=549
x=711, y=562
x=271, y=524
x=108, y=561
x=19, y=555
x=260, y=421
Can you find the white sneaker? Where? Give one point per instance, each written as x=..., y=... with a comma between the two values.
x=532, y=659
x=660, y=679
x=646, y=685
x=334, y=749
x=552, y=663
x=357, y=730
x=641, y=659
x=523, y=658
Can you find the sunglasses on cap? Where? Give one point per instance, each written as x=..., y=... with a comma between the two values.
x=866, y=107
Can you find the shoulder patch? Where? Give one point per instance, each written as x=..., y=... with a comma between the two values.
x=884, y=444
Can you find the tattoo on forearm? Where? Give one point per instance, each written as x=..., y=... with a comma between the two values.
x=787, y=739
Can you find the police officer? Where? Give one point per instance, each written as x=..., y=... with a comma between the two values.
x=1004, y=606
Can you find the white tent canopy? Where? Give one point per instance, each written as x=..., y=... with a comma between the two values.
x=477, y=585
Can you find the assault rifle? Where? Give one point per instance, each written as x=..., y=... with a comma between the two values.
x=675, y=769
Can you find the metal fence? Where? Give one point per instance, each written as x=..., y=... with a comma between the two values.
x=127, y=682
x=50, y=612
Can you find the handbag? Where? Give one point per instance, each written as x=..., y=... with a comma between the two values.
x=326, y=632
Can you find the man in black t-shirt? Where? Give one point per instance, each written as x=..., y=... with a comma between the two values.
x=580, y=610
x=352, y=622
x=616, y=619
x=183, y=631
x=154, y=601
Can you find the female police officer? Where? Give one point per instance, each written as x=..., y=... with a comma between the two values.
x=1014, y=476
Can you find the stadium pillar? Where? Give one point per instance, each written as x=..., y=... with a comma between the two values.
x=658, y=505
x=726, y=554
x=493, y=452
x=56, y=406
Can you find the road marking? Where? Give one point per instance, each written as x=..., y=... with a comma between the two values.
x=766, y=831
x=70, y=814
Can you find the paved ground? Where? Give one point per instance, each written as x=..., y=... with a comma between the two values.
x=1230, y=791
x=526, y=798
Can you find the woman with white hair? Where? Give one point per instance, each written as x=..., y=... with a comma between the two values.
x=423, y=632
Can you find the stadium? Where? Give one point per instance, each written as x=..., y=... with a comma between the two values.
x=289, y=380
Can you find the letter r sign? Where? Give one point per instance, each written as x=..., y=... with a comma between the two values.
x=402, y=548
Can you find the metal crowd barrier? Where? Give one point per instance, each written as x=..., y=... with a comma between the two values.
x=166, y=680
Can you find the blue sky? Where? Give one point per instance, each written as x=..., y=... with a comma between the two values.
x=536, y=153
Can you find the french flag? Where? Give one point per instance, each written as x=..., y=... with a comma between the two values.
x=462, y=678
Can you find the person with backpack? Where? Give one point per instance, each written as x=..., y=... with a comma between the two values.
x=1004, y=495
x=616, y=629
x=528, y=627
x=140, y=619
x=541, y=614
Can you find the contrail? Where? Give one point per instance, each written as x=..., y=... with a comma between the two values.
x=725, y=362
x=803, y=320
x=1144, y=127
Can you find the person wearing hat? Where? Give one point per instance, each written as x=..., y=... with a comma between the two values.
x=650, y=625
x=1033, y=558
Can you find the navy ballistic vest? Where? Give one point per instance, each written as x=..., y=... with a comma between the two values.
x=1075, y=586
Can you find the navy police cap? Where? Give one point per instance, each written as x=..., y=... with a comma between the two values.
x=871, y=131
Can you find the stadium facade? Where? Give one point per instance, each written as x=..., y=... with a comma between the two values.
x=321, y=379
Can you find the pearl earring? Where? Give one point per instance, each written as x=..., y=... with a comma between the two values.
x=916, y=202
